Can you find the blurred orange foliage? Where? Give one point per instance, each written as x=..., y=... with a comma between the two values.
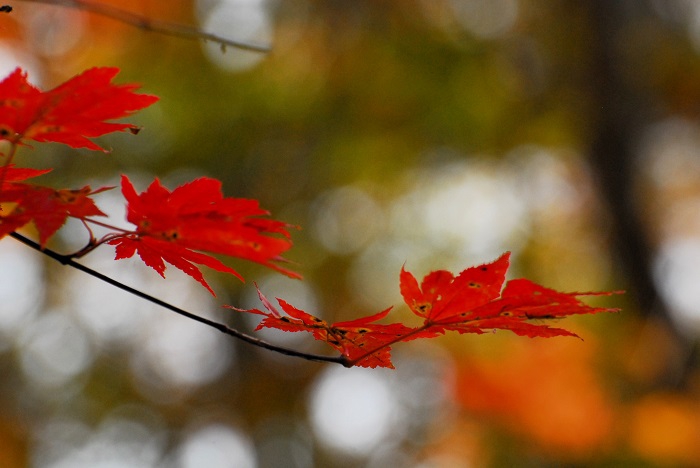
x=545, y=390
x=665, y=428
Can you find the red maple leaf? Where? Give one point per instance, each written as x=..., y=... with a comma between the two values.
x=440, y=293
x=197, y=217
x=10, y=173
x=363, y=342
x=154, y=252
x=70, y=113
x=48, y=208
x=473, y=301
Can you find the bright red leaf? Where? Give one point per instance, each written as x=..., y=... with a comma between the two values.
x=9, y=174
x=154, y=252
x=473, y=301
x=71, y=113
x=197, y=217
x=441, y=293
x=359, y=340
x=46, y=207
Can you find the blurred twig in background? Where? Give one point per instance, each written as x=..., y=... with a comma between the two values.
x=153, y=25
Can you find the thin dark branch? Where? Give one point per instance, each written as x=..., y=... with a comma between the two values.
x=153, y=25
x=67, y=260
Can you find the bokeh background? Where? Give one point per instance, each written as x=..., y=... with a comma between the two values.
x=432, y=133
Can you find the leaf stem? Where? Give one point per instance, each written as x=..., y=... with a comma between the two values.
x=152, y=25
x=108, y=226
x=67, y=260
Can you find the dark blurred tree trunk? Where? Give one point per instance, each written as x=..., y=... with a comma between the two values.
x=623, y=111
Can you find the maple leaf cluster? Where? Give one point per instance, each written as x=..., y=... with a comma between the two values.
x=474, y=301
x=176, y=227
x=185, y=226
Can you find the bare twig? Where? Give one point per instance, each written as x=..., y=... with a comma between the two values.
x=152, y=25
x=67, y=260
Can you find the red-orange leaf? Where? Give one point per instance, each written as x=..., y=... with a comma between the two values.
x=359, y=340
x=473, y=302
x=71, y=113
x=523, y=300
x=197, y=217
